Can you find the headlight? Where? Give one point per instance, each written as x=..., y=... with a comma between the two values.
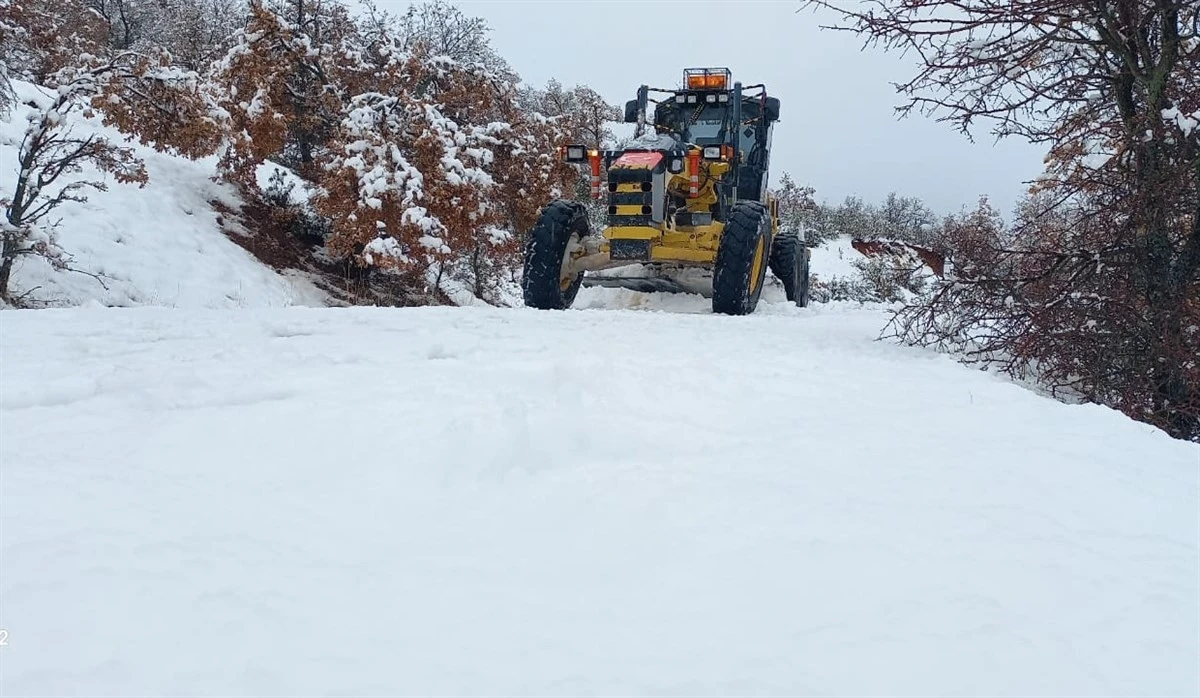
x=710, y=98
x=723, y=97
x=712, y=152
x=691, y=99
x=680, y=99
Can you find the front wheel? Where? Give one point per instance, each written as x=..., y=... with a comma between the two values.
x=741, y=265
x=547, y=283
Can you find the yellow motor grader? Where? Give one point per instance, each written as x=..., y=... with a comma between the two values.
x=692, y=195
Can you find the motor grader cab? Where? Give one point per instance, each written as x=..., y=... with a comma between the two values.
x=691, y=196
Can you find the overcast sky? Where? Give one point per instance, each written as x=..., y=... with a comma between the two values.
x=837, y=131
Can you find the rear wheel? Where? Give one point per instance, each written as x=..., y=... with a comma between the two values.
x=546, y=283
x=789, y=264
x=741, y=265
x=805, y=279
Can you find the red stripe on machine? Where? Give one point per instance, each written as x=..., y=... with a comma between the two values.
x=639, y=160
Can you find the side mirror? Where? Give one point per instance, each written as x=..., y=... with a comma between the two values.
x=631, y=111
x=772, y=109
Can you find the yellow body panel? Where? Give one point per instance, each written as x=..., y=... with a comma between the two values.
x=664, y=253
x=710, y=231
x=675, y=239
x=686, y=244
x=631, y=232
x=697, y=245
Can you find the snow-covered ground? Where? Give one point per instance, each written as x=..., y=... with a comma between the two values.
x=161, y=245
x=475, y=501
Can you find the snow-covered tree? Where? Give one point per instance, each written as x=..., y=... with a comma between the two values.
x=409, y=127
x=197, y=32
x=160, y=104
x=405, y=180
x=435, y=169
x=438, y=28
x=283, y=83
x=907, y=218
x=582, y=112
x=1113, y=261
x=126, y=22
x=797, y=210
x=40, y=37
x=576, y=115
x=144, y=97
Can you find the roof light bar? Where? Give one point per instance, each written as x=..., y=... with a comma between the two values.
x=707, y=78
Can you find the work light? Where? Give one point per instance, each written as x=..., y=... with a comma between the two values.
x=576, y=153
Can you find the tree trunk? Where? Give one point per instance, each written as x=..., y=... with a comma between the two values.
x=477, y=269
x=5, y=272
x=1166, y=276
x=1174, y=396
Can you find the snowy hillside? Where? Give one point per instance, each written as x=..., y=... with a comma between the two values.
x=160, y=245
x=491, y=502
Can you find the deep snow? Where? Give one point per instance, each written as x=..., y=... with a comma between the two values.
x=486, y=502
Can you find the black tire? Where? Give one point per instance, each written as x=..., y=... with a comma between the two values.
x=805, y=280
x=789, y=264
x=542, y=284
x=742, y=257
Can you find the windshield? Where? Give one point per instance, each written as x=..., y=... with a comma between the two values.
x=702, y=124
x=695, y=123
x=709, y=131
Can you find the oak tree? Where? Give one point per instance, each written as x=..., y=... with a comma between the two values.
x=1095, y=289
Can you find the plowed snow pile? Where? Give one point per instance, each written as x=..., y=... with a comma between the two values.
x=492, y=502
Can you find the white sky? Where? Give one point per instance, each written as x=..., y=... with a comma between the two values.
x=837, y=131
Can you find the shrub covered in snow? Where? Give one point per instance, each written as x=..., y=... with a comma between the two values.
x=423, y=156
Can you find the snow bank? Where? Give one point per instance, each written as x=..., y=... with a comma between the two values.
x=160, y=245
x=496, y=502
x=835, y=258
